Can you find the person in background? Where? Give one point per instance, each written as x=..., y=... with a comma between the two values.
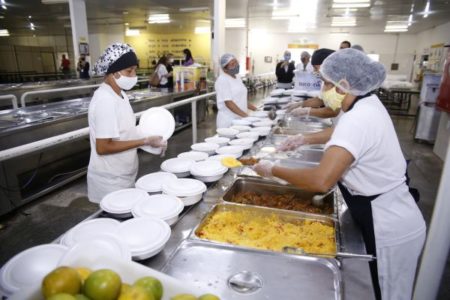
x=80, y=66
x=364, y=158
x=65, y=66
x=285, y=71
x=188, y=59
x=169, y=67
x=304, y=64
x=345, y=45
x=358, y=47
x=113, y=164
x=163, y=73
x=83, y=68
x=231, y=93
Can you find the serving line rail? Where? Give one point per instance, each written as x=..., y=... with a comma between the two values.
x=81, y=133
x=12, y=98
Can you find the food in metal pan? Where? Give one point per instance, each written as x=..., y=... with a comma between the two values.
x=249, y=161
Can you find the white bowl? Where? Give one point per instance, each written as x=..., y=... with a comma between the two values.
x=119, y=203
x=178, y=166
x=299, y=93
x=262, y=131
x=270, y=100
x=246, y=143
x=251, y=119
x=151, y=183
x=190, y=191
x=145, y=236
x=259, y=114
x=235, y=151
x=219, y=157
x=241, y=122
x=227, y=132
x=209, y=148
x=277, y=92
x=283, y=100
x=86, y=229
x=194, y=155
x=248, y=135
x=208, y=171
x=264, y=123
x=163, y=206
x=241, y=128
x=29, y=267
x=288, y=92
x=221, y=141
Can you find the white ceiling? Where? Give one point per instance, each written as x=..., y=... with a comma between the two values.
x=54, y=19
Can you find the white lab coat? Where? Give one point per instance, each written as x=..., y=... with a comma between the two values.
x=229, y=89
x=110, y=116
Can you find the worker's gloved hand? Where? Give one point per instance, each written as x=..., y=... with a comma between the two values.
x=293, y=105
x=163, y=148
x=264, y=168
x=292, y=143
x=301, y=111
x=155, y=141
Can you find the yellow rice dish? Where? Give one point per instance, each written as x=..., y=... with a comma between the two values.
x=268, y=232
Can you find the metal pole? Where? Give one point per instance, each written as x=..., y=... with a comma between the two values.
x=194, y=121
x=13, y=100
x=438, y=242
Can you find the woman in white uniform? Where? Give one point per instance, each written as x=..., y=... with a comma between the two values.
x=364, y=158
x=112, y=125
x=231, y=93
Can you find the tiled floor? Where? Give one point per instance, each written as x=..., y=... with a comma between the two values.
x=48, y=217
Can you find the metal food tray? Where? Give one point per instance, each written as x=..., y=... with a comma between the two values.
x=238, y=273
x=261, y=186
x=286, y=215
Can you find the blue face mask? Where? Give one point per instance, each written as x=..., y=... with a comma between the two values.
x=287, y=57
x=234, y=70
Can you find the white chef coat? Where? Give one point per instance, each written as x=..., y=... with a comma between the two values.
x=162, y=74
x=309, y=67
x=367, y=132
x=110, y=116
x=229, y=89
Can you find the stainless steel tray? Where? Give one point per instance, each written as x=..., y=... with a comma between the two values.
x=285, y=215
x=261, y=186
x=238, y=273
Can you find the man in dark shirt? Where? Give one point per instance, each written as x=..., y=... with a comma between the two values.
x=285, y=71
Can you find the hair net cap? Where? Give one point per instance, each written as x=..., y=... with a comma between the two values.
x=225, y=59
x=319, y=56
x=358, y=47
x=110, y=56
x=353, y=71
x=305, y=54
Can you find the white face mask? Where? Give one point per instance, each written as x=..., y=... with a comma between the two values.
x=126, y=83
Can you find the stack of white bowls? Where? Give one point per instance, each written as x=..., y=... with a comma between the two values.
x=242, y=121
x=119, y=203
x=241, y=128
x=151, y=183
x=190, y=191
x=162, y=206
x=263, y=123
x=178, y=166
x=193, y=155
x=208, y=171
x=246, y=143
x=227, y=132
x=248, y=135
x=221, y=141
x=209, y=148
x=235, y=151
x=259, y=114
x=144, y=236
x=262, y=131
x=251, y=119
x=87, y=229
x=219, y=157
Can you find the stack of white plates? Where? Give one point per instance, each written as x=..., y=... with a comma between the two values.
x=190, y=191
x=208, y=171
x=264, y=123
x=119, y=203
x=87, y=229
x=259, y=114
x=29, y=267
x=151, y=183
x=164, y=207
x=145, y=236
x=193, y=155
x=246, y=143
x=248, y=135
x=235, y=151
x=241, y=128
x=283, y=100
x=251, y=119
x=219, y=157
x=221, y=141
x=209, y=148
x=156, y=121
x=227, y=132
x=276, y=92
x=288, y=92
x=178, y=166
x=270, y=100
x=262, y=131
x=241, y=122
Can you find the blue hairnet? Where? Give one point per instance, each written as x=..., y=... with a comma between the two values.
x=353, y=71
x=225, y=59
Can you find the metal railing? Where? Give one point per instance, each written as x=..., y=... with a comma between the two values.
x=71, y=88
x=81, y=133
x=12, y=98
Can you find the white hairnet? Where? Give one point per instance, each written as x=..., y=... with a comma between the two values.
x=305, y=54
x=358, y=47
x=225, y=59
x=353, y=71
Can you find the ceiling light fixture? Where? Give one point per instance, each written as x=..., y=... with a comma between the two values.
x=235, y=23
x=54, y=1
x=427, y=9
x=4, y=32
x=158, y=18
x=396, y=30
x=350, y=5
x=343, y=21
x=191, y=9
x=410, y=20
x=202, y=30
x=351, y=1
x=132, y=32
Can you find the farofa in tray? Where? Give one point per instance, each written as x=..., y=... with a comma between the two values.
x=269, y=233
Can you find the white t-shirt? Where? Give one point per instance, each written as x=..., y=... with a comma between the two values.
x=229, y=88
x=162, y=72
x=111, y=116
x=367, y=132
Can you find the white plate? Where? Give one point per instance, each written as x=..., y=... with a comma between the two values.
x=176, y=165
x=299, y=92
x=259, y=114
x=270, y=100
x=156, y=121
x=164, y=207
x=30, y=266
x=263, y=123
x=193, y=155
x=251, y=119
x=85, y=230
x=227, y=132
x=247, y=143
x=222, y=141
x=205, y=147
x=231, y=150
x=151, y=150
x=262, y=131
x=121, y=201
x=241, y=122
x=284, y=100
x=248, y=135
x=144, y=234
x=151, y=183
x=288, y=92
x=277, y=92
x=219, y=157
x=183, y=187
x=241, y=128
x=208, y=168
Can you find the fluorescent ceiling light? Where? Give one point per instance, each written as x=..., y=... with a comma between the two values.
x=343, y=21
x=54, y=1
x=235, y=23
x=132, y=32
x=410, y=20
x=159, y=18
x=202, y=30
x=396, y=30
x=350, y=5
x=395, y=27
x=351, y=1
x=4, y=32
x=427, y=9
x=190, y=9
x=343, y=24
